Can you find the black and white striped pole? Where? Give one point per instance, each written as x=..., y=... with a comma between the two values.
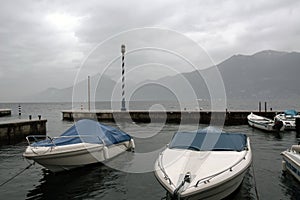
x=89, y=93
x=19, y=109
x=123, y=108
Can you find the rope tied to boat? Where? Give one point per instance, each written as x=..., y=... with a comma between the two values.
x=186, y=179
x=255, y=188
x=20, y=172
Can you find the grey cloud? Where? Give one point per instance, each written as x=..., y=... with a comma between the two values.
x=32, y=51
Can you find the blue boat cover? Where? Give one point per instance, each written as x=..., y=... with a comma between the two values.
x=291, y=112
x=209, y=139
x=88, y=131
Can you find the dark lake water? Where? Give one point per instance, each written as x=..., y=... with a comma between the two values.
x=130, y=175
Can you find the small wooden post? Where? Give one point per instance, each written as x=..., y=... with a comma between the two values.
x=259, y=106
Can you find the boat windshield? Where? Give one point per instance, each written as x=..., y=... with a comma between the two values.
x=209, y=140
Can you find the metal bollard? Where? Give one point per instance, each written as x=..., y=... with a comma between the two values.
x=30, y=117
x=39, y=116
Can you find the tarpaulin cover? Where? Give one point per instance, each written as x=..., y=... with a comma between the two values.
x=88, y=131
x=209, y=139
x=290, y=112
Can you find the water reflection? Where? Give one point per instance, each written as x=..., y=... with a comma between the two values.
x=279, y=135
x=290, y=186
x=86, y=182
x=298, y=134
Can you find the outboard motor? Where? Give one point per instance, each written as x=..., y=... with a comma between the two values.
x=278, y=125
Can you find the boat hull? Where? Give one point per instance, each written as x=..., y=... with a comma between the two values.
x=260, y=126
x=263, y=123
x=217, y=188
x=67, y=157
x=215, y=193
x=220, y=191
x=291, y=161
x=288, y=123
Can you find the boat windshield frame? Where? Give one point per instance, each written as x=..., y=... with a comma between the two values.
x=202, y=141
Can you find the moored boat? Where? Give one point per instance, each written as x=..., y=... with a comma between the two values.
x=264, y=123
x=205, y=164
x=86, y=142
x=288, y=118
x=291, y=161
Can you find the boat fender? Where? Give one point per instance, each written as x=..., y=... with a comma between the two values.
x=283, y=165
x=105, y=153
x=132, y=145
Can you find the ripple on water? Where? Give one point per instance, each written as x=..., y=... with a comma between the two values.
x=102, y=182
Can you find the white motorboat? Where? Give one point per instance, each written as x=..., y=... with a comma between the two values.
x=86, y=142
x=288, y=118
x=291, y=161
x=205, y=164
x=264, y=123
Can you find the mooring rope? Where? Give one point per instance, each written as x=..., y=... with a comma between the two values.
x=255, y=188
x=20, y=172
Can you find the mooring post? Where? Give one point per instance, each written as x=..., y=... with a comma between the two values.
x=298, y=126
x=89, y=93
x=19, y=109
x=265, y=106
x=259, y=106
x=297, y=121
x=123, y=108
x=39, y=116
x=30, y=117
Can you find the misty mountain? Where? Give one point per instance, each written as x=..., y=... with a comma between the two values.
x=78, y=93
x=264, y=75
x=267, y=74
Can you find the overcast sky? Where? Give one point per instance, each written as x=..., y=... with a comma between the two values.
x=45, y=43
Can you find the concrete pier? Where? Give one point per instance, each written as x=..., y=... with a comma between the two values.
x=202, y=117
x=5, y=112
x=12, y=132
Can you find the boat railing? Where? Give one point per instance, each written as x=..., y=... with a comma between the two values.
x=166, y=177
x=35, y=138
x=208, y=178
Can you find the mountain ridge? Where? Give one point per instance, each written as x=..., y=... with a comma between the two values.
x=263, y=75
